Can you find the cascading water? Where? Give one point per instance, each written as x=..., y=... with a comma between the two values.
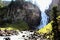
x=44, y=20
x=42, y=5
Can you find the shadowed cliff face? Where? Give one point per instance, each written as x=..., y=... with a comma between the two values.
x=25, y=11
x=50, y=11
x=32, y=14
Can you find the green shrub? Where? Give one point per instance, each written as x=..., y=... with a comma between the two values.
x=20, y=25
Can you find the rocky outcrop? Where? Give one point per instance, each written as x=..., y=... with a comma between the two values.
x=54, y=3
x=50, y=11
x=25, y=11
x=32, y=14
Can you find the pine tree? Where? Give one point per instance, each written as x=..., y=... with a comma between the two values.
x=55, y=24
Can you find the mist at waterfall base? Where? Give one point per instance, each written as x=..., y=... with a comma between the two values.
x=42, y=5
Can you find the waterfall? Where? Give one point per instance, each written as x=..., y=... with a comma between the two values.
x=42, y=5
x=44, y=20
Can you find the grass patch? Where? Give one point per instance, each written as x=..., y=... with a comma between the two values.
x=20, y=25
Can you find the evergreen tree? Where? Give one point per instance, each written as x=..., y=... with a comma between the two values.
x=55, y=24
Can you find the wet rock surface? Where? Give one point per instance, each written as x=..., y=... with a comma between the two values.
x=8, y=32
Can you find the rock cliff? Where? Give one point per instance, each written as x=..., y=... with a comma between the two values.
x=25, y=11
x=50, y=11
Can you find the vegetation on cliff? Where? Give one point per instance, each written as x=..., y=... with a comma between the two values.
x=12, y=15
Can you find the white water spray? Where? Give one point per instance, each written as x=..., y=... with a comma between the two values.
x=42, y=5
